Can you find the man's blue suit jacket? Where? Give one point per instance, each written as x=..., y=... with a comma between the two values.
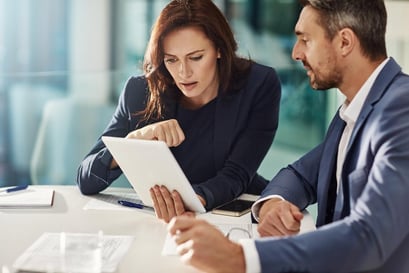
x=373, y=234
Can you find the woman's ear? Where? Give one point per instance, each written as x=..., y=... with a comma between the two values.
x=218, y=54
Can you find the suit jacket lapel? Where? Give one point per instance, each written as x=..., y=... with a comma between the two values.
x=328, y=164
x=379, y=87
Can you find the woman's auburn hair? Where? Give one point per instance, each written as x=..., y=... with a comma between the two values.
x=206, y=16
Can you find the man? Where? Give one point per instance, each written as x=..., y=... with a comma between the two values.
x=359, y=175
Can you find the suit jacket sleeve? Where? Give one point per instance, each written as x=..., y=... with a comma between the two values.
x=299, y=182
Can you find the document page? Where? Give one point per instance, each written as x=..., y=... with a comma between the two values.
x=29, y=198
x=74, y=252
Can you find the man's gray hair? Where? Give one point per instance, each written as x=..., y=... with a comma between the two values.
x=366, y=18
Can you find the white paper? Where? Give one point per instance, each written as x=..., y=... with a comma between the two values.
x=30, y=197
x=47, y=254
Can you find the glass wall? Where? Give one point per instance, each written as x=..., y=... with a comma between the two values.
x=63, y=64
x=33, y=64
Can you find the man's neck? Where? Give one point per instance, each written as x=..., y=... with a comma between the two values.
x=356, y=74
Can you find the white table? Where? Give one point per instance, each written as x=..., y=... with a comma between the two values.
x=19, y=228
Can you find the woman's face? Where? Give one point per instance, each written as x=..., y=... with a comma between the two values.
x=191, y=59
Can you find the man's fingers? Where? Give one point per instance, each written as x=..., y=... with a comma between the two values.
x=268, y=227
x=297, y=214
x=290, y=223
x=280, y=218
x=180, y=223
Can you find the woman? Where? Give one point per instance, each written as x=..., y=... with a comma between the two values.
x=217, y=112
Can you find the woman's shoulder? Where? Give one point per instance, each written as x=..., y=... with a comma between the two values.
x=260, y=74
x=136, y=90
x=261, y=70
x=136, y=80
x=136, y=85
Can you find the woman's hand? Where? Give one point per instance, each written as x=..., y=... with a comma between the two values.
x=168, y=131
x=168, y=204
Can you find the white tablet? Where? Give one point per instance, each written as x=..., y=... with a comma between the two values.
x=147, y=163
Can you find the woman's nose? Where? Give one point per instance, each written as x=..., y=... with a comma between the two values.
x=184, y=70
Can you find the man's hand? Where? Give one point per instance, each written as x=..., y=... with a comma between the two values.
x=168, y=131
x=278, y=218
x=203, y=246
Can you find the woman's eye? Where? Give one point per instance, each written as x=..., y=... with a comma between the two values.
x=196, y=58
x=170, y=60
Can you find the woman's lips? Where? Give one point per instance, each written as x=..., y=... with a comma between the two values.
x=189, y=86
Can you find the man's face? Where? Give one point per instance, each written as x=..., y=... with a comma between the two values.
x=317, y=53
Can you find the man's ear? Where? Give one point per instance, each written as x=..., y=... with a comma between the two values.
x=348, y=41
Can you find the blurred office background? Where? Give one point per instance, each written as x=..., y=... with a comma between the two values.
x=63, y=64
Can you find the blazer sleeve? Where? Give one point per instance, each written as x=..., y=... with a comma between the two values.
x=247, y=123
x=94, y=173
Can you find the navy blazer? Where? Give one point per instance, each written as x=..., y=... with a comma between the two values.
x=373, y=235
x=245, y=124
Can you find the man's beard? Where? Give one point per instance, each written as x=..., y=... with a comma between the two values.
x=332, y=80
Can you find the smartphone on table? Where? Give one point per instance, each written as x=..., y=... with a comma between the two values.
x=237, y=207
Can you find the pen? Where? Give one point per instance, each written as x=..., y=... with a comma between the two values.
x=132, y=204
x=13, y=189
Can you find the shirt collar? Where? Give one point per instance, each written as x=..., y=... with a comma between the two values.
x=349, y=111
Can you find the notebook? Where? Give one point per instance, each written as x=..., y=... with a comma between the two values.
x=147, y=163
x=32, y=197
